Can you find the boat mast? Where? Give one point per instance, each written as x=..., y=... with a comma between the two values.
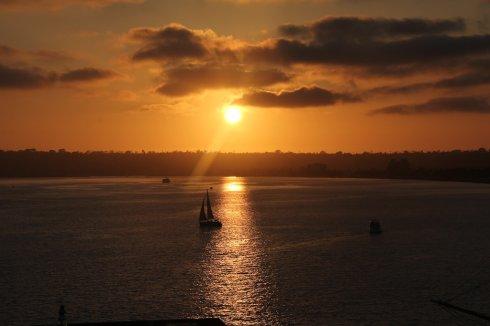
x=210, y=211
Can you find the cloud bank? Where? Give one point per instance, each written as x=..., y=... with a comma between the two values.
x=193, y=60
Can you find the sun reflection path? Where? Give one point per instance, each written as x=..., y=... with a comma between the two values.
x=237, y=284
x=233, y=185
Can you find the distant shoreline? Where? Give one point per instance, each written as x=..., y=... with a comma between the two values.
x=459, y=166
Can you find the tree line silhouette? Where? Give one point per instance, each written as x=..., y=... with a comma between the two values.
x=469, y=165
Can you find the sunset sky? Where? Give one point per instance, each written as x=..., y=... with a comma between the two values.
x=331, y=75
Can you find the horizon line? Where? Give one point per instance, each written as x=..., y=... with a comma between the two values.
x=278, y=151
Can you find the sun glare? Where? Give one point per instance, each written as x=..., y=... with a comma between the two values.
x=233, y=114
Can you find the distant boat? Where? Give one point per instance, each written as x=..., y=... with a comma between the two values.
x=166, y=180
x=208, y=220
x=375, y=227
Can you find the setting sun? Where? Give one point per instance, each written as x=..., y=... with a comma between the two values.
x=233, y=114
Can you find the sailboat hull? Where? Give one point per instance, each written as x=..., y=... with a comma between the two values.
x=210, y=224
x=375, y=227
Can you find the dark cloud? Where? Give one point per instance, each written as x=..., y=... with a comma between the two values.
x=404, y=89
x=362, y=29
x=465, y=104
x=86, y=75
x=20, y=69
x=408, y=69
x=295, y=31
x=30, y=78
x=24, y=78
x=417, y=50
x=470, y=79
x=377, y=46
x=189, y=79
x=170, y=42
x=393, y=71
x=299, y=98
x=465, y=80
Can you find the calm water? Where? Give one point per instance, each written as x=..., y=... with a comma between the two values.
x=291, y=251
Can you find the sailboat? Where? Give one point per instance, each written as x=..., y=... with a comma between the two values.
x=375, y=227
x=208, y=220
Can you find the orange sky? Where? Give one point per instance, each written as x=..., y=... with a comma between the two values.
x=332, y=75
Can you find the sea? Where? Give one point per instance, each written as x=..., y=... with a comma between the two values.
x=292, y=251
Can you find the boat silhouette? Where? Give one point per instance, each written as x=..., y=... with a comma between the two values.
x=207, y=220
x=375, y=227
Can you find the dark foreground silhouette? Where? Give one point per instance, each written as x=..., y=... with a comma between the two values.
x=62, y=321
x=167, y=322
x=455, y=165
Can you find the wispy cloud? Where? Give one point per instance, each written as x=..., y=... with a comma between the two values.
x=467, y=104
x=34, y=77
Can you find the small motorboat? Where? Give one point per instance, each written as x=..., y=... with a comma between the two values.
x=375, y=227
x=166, y=180
x=208, y=220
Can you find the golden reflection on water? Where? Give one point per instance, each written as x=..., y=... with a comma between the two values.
x=233, y=185
x=236, y=283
